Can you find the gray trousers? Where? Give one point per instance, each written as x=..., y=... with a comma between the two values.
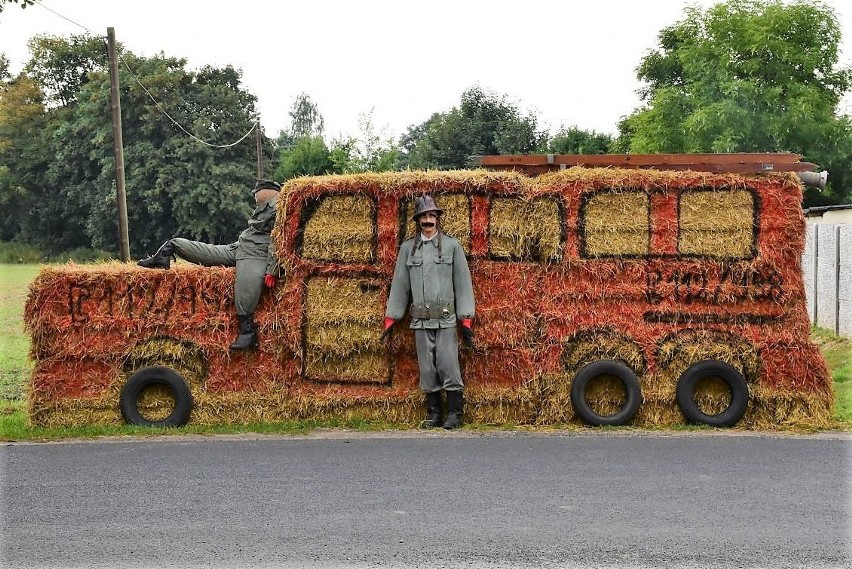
x=250, y=272
x=438, y=358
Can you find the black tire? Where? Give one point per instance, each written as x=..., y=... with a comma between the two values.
x=618, y=370
x=156, y=375
x=711, y=368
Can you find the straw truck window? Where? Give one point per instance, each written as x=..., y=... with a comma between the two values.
x=522, y=229
x=339, y=229
x=615, y=224
x=717, y=223
x=455, y=221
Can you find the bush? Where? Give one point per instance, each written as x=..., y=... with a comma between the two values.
x=18, y=253
x=21, y=253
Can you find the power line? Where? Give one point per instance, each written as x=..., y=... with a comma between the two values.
x=156, y=102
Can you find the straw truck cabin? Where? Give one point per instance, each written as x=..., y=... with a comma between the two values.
x=605, y=296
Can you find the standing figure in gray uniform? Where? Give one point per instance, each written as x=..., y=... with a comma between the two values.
x=432, y=275
x=252, y=253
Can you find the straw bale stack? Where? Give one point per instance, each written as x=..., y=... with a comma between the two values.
x=657, y=270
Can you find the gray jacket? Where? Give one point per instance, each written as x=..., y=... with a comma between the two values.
x=434, y=283
x=255, y=241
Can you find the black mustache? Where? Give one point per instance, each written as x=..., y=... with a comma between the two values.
x=427, y=224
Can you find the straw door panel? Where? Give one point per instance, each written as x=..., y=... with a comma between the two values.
x=340, y=343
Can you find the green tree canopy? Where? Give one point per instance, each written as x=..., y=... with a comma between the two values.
x=746, y=76
x=22, y=153
x=308, y=157
x=176, y=184
x=573, y=140
x=483, y=123
x=62, y=65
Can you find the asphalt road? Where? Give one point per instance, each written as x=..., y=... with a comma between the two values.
x=431, y=500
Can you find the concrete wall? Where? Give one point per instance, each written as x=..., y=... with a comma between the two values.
x=827, y=268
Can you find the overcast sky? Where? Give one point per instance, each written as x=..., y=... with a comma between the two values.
x=571, y=62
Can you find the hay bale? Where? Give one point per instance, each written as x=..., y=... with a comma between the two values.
x=616, y=224
x=340, y=334
x=717, y=223
x=340, y=229
x=454, y=222
x=655, y=269
x=525, y=229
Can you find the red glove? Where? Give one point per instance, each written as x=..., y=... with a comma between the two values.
x=389, y=322
x=467, y=332
x=269, y=281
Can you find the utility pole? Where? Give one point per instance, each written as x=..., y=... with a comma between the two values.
x=118, y=149
x=259, y=138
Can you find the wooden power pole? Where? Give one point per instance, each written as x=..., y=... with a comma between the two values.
x=259, y=138
x=118, y=149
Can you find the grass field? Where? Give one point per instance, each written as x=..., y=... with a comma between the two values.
x=15, y=368
x=14, y=343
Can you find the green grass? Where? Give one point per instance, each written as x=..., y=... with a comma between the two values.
x=15, y=368
x=838, y=355
x=13, y=427
x=14, y=344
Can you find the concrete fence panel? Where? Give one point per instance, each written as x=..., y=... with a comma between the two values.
x=827, y=268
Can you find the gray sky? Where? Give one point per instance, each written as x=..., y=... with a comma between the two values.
x=572, y=62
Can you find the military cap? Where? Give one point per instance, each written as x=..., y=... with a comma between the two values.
x=424, y=204
x=266, y=185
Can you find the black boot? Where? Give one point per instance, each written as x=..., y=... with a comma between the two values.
x=455, y=409
x=248, y=333
x=433, y=411
x=161, y=259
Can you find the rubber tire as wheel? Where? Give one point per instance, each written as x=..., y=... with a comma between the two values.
x=712, y=368
x=606, y=367
x=156, y=375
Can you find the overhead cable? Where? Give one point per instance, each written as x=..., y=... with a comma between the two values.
x=156, y=102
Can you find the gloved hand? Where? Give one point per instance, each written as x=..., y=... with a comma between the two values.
x=269, y=281
x=389, y=322
x=467, y=332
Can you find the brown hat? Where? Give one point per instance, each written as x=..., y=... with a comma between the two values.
x=424, y=204
x=266, y=185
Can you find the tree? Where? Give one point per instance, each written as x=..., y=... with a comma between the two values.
x=746, y=76
x=23, y=3
x=573, y=140
x=483, y=123
x=372, y=151
x=301, y=150
x=62, y=65
x=176, y=184
x=309, y=157
x=22, y=158
x=305, y=118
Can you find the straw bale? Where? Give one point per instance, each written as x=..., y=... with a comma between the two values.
x=320, y=356
x=555, y=393
x=491, y=405
x=506, y=320
x=717, y=223
x=342, y=326
x=502, y=368
x=187, y=358
x=55, y=378
x=524, y=229
x=340, y=229
x=455, y=221
x=406, y=372
x=616, y=224
x=77, y=310
x=603, y=344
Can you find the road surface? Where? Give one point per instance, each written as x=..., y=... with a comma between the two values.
x=431, y=499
